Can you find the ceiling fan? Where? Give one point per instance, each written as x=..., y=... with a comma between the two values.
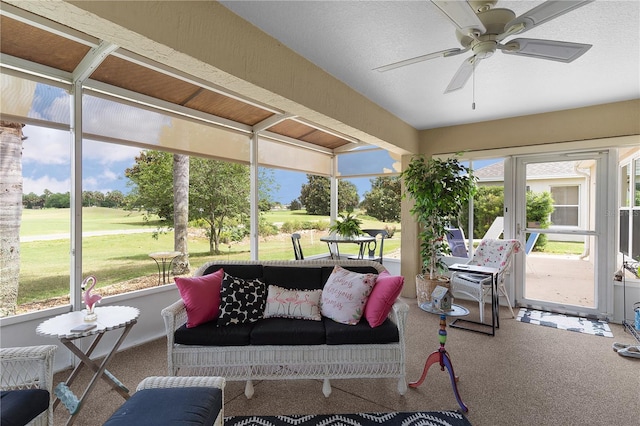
x=481, y=29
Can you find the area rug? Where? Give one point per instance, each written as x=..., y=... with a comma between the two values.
x=419, y=418
x=565, y=322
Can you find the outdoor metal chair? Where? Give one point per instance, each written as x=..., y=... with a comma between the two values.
x=369, y=251
x=493, y=254
x=456, y=241
x=297, y=248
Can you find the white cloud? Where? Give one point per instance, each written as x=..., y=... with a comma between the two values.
x=37, y=186
x=46, y=146
x=108, y=153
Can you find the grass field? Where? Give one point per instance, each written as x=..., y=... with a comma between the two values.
x=45, y=264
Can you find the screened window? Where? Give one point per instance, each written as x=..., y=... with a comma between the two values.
x=566, y=207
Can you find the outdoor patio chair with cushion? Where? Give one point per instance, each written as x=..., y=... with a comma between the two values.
x=26, y=385
x=493, y=254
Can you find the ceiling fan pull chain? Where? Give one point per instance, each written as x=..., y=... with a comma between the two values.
x=473, y=88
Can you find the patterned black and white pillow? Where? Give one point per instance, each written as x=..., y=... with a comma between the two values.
x=241, y=300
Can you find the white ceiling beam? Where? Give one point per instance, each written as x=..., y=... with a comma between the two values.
x=92, y=60
x=271, y=121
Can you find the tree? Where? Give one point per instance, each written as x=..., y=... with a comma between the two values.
x=383, y=201
x=315, y=195
x=295, y=205
x=151, y=180
x=488, y=203
x=219, y=196
x=181, y=212
x=11, y=138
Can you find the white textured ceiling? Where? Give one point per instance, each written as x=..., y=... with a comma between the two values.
x=350, y=38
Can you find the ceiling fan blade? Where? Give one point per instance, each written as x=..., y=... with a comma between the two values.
x=545, y=12
x=462, y=16
x=553, y=50
x=462, y=75
x=448, y=52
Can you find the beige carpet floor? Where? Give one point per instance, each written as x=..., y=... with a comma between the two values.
x=525, y=375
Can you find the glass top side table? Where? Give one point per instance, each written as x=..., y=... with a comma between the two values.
x=440, y=355
x=109, y=318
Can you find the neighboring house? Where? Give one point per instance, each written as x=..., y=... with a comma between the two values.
x=568, y=183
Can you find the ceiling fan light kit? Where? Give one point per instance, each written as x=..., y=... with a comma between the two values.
x=481, y=28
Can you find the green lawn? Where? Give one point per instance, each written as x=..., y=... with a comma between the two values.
x=45, y=265
x=58, y=221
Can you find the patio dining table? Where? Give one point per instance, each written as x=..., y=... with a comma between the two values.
x=333, y=242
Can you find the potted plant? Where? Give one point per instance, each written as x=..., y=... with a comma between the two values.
x=439, y=189
x=347, y=225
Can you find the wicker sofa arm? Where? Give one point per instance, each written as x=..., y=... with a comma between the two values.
x=181, y=382
x=27, y=367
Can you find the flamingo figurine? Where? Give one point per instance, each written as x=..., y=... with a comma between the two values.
x=90, y=299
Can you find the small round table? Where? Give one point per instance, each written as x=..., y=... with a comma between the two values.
x=440, y=355
x=165, y=258
x=109, y=318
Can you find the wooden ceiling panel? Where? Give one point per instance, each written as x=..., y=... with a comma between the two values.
x=127, y=75
x=292, y=129
x=303, y=132
x=226, y=107
x=42, y=47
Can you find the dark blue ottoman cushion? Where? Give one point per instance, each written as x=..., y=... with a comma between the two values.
x=169, y=406
x=19, y=407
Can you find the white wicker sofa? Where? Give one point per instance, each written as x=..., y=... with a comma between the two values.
x=364, y=352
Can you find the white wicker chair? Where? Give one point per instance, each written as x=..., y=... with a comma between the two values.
x=29, y=367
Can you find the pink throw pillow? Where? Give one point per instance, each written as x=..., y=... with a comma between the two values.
x=384, y=294
x=345, y=295
x=201, y=296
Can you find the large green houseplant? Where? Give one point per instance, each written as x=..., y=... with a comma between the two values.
x=438, y=188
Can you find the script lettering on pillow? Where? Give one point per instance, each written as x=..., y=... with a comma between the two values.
x=345, y=294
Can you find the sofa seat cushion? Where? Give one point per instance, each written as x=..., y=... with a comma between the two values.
x=169, y=406
x=294, y=278
x=19, y=407
x=361, y=333
x=209, y=334
x=288, y=331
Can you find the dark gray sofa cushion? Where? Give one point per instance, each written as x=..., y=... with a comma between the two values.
x=240, y=271
x=287, y=331
x=294, y=278
x=19, y=407
x=209, y=334
x=361, y=333
x=169, y=406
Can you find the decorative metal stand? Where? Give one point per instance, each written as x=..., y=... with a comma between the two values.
x=441, y=356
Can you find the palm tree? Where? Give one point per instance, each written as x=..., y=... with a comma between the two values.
x=11, y=138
